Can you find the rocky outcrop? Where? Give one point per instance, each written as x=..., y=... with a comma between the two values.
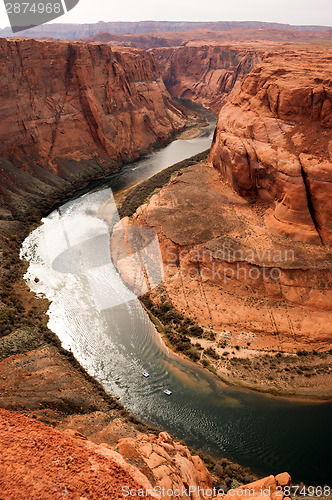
x=40, y=462
x=77, y=101
x=72, y=111
x=226, y=271
x=246, y=244
x=273, y=142
x=205, y=72
x=269, y=487
x=168, y=465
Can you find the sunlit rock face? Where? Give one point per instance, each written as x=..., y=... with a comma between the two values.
x=78, y=100
x=145, y=466
x=205, y=72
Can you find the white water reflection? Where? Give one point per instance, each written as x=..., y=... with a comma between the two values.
x=117, y=343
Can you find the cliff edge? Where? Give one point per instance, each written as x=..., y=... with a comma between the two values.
x=246, y=236
x=72, y=112
x=40, y=462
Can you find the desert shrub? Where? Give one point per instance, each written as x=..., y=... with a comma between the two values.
x=195, y=330
x=198, y=346
x=172, y=315
x=193, y=354
x=211, y=335
x=147, y=301
x=211, y=352
x=4, y=330
x=186, y=322
x=218, y=470
x=165, y=306
x=7, y=316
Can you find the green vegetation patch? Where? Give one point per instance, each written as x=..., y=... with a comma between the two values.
x=175, y=328
x=19, y=342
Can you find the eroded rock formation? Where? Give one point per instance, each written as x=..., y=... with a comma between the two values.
x=79, y=101
x=205, y=72
x=176, y=39
x=72, y=111
x=274, y=141
x=72, y=31
x=246, y=239
x=40, y=462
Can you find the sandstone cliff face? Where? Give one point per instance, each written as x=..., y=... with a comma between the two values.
x=246, y=244
x=224, y=270
x=273, y=141
x=78, y=101
x=40, y=462
x=76, y=110
x=205, y=72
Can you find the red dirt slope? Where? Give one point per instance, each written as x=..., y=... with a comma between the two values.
x=38, y=462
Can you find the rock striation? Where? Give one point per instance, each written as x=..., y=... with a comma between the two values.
x=246, y=239
x=72, y=111
x=206, y=72
x=79, y=101
x=273, y=142
x=72, y=31
x=176, y=39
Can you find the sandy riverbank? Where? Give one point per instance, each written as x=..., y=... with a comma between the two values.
x=302, y=377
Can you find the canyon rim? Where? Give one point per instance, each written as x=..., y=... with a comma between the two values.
x=244, y=231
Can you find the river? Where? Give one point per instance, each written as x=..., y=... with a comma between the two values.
x=117, y=343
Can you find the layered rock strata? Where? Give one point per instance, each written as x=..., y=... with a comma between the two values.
x=274, y=142
x=71, y=112
x=246, y=240
x=206, y=72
